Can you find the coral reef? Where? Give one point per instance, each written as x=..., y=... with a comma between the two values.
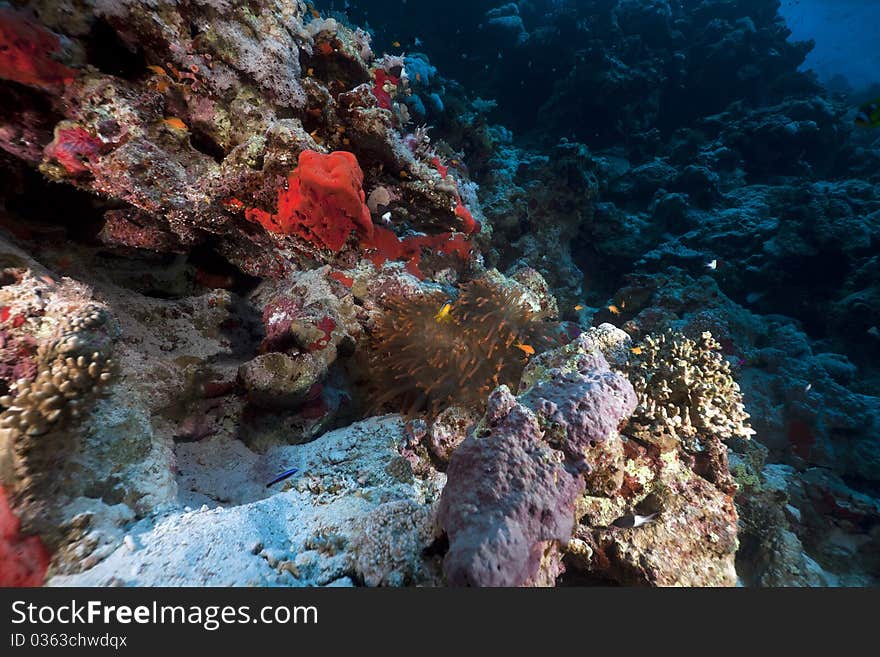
x=633, y=342
x=434, y=351
x=555, y=480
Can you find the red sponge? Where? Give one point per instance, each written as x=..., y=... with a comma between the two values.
x=26, y=52
x=23, y=560
x=324, y=201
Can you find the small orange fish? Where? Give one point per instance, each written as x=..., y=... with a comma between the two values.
x=174, y=123
x=527, y=349
x=396, y=44
x=418, y=77
x=444, y=314
x=636, y=350
x=614, y=309
x=311, y=71
x=579, y=307
x=158, y=70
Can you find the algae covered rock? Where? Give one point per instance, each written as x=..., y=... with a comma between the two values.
x=277, y=380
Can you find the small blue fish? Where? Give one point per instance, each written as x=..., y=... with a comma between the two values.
x=284, y=475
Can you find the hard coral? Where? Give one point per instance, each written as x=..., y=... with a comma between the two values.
x=323, y=203
x=427, y=360
x=686, y=391
x=69, y=368
x=37, y=423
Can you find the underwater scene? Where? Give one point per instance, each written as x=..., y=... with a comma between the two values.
x=415, y=293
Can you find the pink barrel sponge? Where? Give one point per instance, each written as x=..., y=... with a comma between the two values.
x=323, y=203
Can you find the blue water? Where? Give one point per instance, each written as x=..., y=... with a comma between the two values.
x=846, y=33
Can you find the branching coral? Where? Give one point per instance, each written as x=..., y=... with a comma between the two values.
x=70, y=367
x=426, y=359
x=686, y=392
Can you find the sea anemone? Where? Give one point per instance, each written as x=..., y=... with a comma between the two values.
x=430, y=352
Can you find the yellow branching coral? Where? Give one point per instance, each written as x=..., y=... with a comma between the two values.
x=429, y=353
x=686, y=391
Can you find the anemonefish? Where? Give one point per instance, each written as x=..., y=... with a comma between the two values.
x=445, y=313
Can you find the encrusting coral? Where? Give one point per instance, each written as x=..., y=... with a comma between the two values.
x=247, y=189
x=429, y=352
x=686, y=391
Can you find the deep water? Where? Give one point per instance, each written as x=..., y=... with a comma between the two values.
x=845, y=33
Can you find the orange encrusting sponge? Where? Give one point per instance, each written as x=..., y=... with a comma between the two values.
x=323, y=203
